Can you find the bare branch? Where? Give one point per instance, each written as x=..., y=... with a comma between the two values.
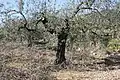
x=25, y=20
x=77, y=9
x=20, y=4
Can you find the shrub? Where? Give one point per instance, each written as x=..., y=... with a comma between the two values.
x=114, y=44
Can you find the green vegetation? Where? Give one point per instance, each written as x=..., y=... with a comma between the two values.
x=114, y=45
x=41, y=37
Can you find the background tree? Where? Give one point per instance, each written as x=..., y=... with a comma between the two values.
x=89, y=21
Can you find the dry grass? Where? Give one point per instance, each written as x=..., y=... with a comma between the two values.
x=87, y=75
x=22, y=63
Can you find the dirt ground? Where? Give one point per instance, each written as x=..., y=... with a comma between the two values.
x=20, y=63
x=87, y=75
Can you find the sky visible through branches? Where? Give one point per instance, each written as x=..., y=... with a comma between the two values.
x=13, y=4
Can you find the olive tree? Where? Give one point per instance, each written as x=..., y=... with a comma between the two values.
x=62, y=34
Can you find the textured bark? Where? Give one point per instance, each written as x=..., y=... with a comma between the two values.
x=62, y=38
x=29, y=41
x=60, y=55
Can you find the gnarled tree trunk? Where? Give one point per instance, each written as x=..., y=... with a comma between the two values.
x=60, y=55
x=29, y=40
x=62, y=38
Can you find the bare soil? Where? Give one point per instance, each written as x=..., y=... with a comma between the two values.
x=88, y=75
x=21, y=63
